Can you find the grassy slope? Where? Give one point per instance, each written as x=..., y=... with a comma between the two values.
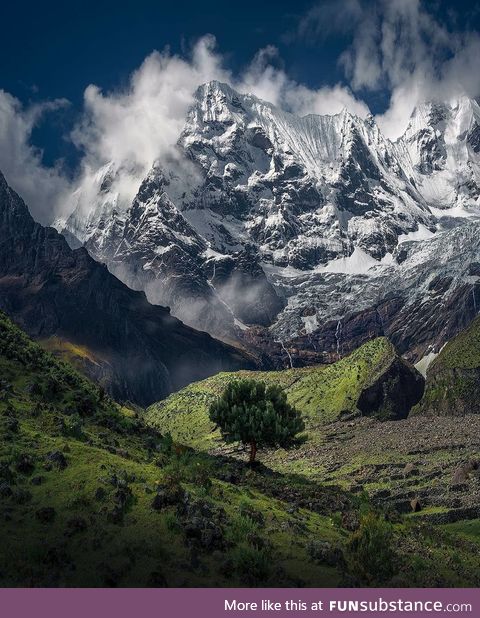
x=463, y=351
x=107, y=449
x=321, y=393
x=453, y=384
x=70, y=352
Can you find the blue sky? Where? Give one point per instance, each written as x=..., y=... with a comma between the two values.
x=103, y=42
x=304, y=56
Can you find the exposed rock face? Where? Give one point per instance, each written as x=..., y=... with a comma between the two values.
x=453, y=379
x=154, y=247
x=141, y=352
x=392, y=394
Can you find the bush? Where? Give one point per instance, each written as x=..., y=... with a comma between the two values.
x=247, y=510
x=325, y=553
x=200, y=475
x=72, y=426
x=370, y=556
x=241, y=527
x=253, y=566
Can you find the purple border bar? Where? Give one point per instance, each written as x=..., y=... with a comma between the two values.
x=210, y=602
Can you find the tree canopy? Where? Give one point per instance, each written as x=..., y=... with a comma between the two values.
x=255, y=414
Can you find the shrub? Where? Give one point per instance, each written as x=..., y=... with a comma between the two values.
x=72, y=426
x=241, y=527
x=370, y=555
x=253, y=566
x=200, y=475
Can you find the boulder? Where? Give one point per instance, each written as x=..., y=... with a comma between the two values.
x=325, y=553
x=393, y=391
x=203, y=532
x=350, y=520
x=57, y=459
x=25, y=464
x=167, y=496
x=100, y=494
x=460, y=475
x=415, y=504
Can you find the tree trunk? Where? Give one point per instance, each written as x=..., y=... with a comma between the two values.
x=253, y=451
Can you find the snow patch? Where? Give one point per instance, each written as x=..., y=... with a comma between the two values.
x=358, y=263
x=423, y=233
x=425, y=362
x=310, y=322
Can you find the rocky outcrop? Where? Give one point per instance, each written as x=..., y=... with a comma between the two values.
x=141, y=351
x=393, y=391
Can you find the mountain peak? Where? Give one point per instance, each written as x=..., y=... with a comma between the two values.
x=436, y=114
x=214, y=92
x=13, y=209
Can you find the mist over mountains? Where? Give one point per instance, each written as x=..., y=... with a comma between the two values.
x=239, y=295
x=73, y=305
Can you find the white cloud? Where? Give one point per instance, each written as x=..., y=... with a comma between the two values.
x=273, y=84
x=326, y=100
x=135, y=127
x=144, y=121
x=21, y=163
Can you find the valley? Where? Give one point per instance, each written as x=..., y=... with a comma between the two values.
x=90, y=495
x=420, y=462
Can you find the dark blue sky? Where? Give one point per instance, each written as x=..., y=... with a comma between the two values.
x=55, y=49
x=61, y=47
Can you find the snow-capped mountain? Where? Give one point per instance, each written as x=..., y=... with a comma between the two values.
x=269, y=220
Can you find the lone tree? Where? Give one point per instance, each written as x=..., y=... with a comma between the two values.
x=255, y=414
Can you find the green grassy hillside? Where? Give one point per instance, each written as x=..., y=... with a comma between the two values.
x=79, y=476
x=90, y=496
x=461, y=352
x=453, y=378
x=321, y=393
x=395, y=461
